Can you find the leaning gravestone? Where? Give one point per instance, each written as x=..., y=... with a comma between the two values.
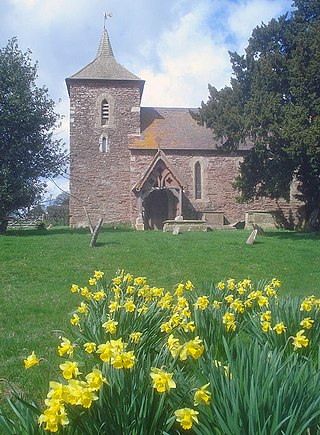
x=251, y=239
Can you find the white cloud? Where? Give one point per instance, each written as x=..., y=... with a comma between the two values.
x=189, y=59
x=248, y=14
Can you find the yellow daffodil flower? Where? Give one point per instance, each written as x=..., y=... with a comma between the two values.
x=123, y=360
x=307, y=322
x=216, y=304
x=95, y=379
x=90, y=347
x=66, y=347
x=129, y=306
x=98, y=274
x=75, y=320
x=110, y=326
x=135, y=337
x=266, y=326
x=279, y=328
x=189, y=285
x=83, y=309
x=186, y=417
x=221, y=285
x=193, y=348
x=162, y=381
x=69, y=369
x=202, y=303
x=266, y=316
x=31, y=361
x=306, y=305
x=92, y=281
x=202, y=396
x=74, y=288
x=300, y=340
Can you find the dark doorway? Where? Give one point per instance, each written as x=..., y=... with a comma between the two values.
x=160, y=205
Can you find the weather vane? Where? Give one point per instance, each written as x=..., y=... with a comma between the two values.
x=106, y=16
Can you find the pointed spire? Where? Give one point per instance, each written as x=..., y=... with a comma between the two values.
x=105, y=48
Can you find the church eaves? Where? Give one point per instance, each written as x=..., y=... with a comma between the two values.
x=104, y=66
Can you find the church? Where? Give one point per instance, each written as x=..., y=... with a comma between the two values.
x=145, y=165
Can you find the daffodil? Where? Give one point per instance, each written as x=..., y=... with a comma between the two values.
x=221, y=285
x=54, y=416
x=216, y=304
x=162, y=381
x=95, y=379
x=69, y=369
x=106, y=351
x=202, y=396
x=307, y=322
x=202, y=303
x=90, y=347
x=266, y=316
x=83, y=309
x=92, y=281
x=123, y=360
x=66, y=347
x=31, y=361
x=98, y=274
x=306, y=305
x=300, y=340
x=135, y=337
x=266, y=326
x=179, y=290
x=75, y=319
x=110, y=326
x=186, y=417
x=189, y=285
x=193, y=348
x=279, y=328
x=129, y=306
x=74, y=288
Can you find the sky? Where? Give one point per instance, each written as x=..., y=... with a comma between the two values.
x=176, y=46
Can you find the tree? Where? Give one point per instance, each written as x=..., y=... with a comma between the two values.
x=274, y=101
x=28, y=149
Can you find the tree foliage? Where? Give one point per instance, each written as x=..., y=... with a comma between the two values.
x=28, y=148
x=274, y=102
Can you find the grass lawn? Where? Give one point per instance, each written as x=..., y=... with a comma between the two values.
x=37, y=270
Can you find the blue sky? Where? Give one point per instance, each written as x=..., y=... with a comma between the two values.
x=177, y=46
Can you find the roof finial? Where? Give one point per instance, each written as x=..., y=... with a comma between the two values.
x=106, y=16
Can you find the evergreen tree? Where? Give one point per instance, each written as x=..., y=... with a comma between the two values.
x=274, y=102
x=28, y=149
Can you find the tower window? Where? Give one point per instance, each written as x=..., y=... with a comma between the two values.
x=197, y=181
x=104, y=145
x=104, y=112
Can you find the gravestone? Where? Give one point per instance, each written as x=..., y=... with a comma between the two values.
x=176, y=230
x=251, y=239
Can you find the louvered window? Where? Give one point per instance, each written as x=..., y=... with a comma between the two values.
x=197, y=181
x=104, y=112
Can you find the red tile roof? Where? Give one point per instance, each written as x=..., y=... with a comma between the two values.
x=173, y=128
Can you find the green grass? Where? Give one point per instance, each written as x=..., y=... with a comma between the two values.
x=38, y=268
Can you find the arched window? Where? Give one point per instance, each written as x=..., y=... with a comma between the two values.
x=104, y=145
x=104, y=112
x=197, y=181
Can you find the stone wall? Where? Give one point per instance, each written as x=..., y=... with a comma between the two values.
x=101, y=181
x=218, y=172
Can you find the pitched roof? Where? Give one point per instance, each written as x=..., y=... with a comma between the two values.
x=104, y=66
x=173, y=128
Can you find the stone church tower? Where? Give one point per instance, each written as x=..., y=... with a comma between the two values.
x=104, y=110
